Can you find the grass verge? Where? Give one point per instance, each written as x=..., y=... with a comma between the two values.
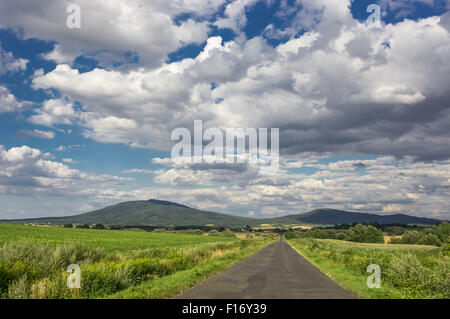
x=407, y=271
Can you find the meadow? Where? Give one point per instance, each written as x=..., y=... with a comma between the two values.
x=114, y=264
x=108, y=240
x=407, y=271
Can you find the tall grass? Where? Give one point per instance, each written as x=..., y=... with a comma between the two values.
x=28, y=261
x=408, y=271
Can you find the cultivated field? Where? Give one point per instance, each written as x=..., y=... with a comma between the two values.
x=119, y=264
x=407, y=271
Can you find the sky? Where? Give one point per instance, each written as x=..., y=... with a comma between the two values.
x=86, y=114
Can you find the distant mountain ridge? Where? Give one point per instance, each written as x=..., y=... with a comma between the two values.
x=330, y=216
x=165, y=213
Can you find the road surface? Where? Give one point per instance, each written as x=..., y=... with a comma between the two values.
x=275, y=272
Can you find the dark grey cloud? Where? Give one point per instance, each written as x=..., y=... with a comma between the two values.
x=418, y=130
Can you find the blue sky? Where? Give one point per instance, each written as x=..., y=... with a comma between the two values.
x=86, y=114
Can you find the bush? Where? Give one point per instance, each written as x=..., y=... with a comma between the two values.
x=442, y=231
x=414, y=237
x=445, y=249
x=365, y=234
x=320, y=234
x=290, y=235
x=84, y=226
x=342, y=236
x=159, y=230
x=227, y=233
x=437, y=235
x=431, y=239
x=213, y=232
x=19, y=289
x=99, y=226
x=373, y=235
x=68, y=226
x=395, y=230
x=10, y=271
x=358, y=233
x=192, y=232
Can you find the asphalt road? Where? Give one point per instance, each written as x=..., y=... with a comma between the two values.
x=275, y=272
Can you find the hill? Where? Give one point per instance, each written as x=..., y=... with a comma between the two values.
x=151, y=212
x=327, y=216
x=164, y=213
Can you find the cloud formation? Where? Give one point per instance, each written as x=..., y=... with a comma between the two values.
x=8, y=63
x=383, y=185
x=146, y=28
x=358, y=90
x=25, y=169
x=9, y=103
x=333, y=86
x=56, y=111
x=36, y=133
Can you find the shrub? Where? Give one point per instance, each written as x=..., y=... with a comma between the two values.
x=395, y=230
x=320, y=234
x=445, y=249
x=19, y=289
x=193, y=232
x=213, y=232
x=431, y=239
x=290, y=235
x=442, y=231
x=83, y=226
x=365, y=234
x=159, y=230
x=53, y=287
x=358, y=233
x=436, y=235
x=415, y=237
x=68, y=226
x=227, y=233
x=342, y=236
x=412, y=237
x=373, y=235
x=10, y=271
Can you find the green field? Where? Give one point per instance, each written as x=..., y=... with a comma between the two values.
x=407, y=271
x=114, y=264
x=109, y=240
